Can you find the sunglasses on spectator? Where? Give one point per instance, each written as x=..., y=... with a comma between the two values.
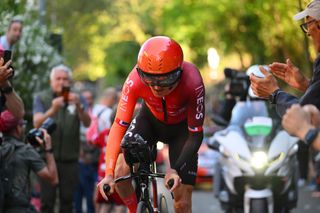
x=305, y=25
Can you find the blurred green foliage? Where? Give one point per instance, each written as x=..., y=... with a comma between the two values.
x=33, y=56
x=262, y=29
x=101, y=38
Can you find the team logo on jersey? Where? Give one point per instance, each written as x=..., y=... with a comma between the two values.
x=125, y=95
x=200, y=102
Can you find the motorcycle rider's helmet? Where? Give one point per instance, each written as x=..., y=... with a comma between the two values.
x=160, y=61
x=254, y=69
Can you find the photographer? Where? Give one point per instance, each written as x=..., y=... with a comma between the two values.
x=9, y=98
x=234, y=90
x=67, y=109
x=17, y=159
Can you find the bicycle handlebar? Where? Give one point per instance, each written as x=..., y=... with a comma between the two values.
x=170, y=183
x=106, y=188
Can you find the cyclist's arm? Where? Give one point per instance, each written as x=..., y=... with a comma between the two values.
x=196, y=115
x=122, y=120
x=113, y=147
x=190, y=148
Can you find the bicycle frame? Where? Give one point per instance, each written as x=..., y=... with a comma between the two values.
x=145, y=174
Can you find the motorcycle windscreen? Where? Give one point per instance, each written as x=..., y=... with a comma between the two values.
x=258, y=126
x=246, y=110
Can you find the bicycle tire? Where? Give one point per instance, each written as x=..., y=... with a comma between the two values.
x=162, y=204
x=143, y=207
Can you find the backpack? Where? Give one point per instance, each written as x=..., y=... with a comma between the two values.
x=93, y=130
x=8, y=159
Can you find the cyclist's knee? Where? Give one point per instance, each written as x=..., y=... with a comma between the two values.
x=182, y=205
x=183, y=198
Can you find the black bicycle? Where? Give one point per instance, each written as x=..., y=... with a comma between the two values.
x=141, y=159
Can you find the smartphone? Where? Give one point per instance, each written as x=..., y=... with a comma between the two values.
x=7, y=56
x=65, y=93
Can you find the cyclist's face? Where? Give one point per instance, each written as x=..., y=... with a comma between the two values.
x=162, y=91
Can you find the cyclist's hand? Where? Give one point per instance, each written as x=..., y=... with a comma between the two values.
x=108, y=180
x=172, y=174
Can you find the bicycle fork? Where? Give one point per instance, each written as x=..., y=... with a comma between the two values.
x=155, y=195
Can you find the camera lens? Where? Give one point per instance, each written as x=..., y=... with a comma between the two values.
x=48, y=125
x=31, y=137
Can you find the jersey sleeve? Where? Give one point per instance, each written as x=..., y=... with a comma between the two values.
x=122, y=120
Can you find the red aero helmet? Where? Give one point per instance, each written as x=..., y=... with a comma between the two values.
x=160, y=55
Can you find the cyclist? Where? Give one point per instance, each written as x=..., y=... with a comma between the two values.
x=172, y=112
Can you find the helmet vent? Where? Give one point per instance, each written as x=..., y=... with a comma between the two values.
x=149, y=64
x=160, y=64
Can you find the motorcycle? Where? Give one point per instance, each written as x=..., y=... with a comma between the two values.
x=258, y=165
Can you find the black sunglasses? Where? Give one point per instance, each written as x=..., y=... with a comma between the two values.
x=305, y=25
x=162, y=80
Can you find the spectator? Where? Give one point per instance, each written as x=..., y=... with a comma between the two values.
x=307, y=129
x=17, y=159
x=88, y=163
x=268, y=87
x=9, y=98
x=68, y=110
x=13, y=34
x=104, y=108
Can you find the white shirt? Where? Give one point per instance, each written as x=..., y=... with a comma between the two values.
x=104, y=117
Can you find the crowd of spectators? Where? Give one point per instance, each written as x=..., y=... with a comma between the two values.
x=70, y=163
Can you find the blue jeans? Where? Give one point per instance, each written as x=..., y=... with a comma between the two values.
x=85, y=188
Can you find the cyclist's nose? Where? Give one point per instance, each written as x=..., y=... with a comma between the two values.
x=156, y=87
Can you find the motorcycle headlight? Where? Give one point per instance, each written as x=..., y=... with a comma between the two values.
x=259, y=160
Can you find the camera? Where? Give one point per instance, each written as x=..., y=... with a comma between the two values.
x=65, y=93
x=48, y=125
x=239, y=82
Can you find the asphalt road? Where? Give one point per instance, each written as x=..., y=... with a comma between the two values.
x=203, y=201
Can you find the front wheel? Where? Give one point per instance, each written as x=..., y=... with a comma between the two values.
x=143, y=207
x=259, y=206
x=162, y=204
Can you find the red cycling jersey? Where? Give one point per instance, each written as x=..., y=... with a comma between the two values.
x=186, y=101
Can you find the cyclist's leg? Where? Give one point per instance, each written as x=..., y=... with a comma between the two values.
x=182, y=194
x=125, y=188
x=183, y=198
x=140, y=125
